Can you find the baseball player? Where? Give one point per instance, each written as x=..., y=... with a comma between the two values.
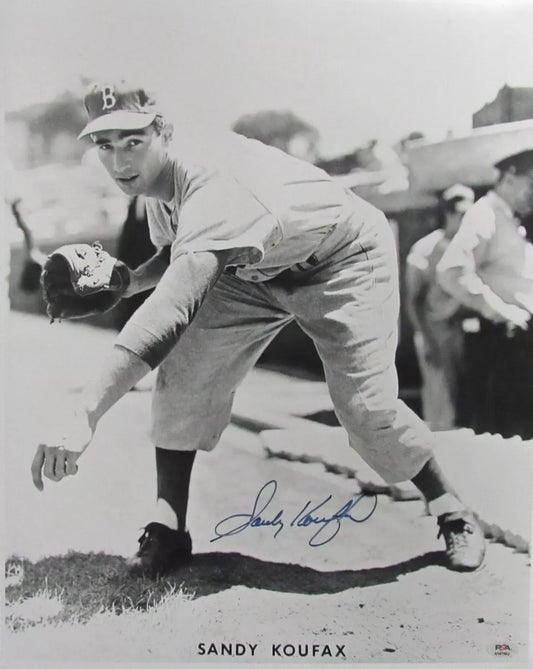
x=248, y=239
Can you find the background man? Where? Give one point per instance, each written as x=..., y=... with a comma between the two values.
x=488, y=267
x=436, y=319
x=249, y=238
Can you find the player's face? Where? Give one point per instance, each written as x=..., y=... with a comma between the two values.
x=133, y=158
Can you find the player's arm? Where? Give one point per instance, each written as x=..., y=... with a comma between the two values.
x=155, y=328
x=147, y=275
x=144, y=342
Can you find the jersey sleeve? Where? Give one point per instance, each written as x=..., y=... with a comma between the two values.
x=160, y=234
x=157, y=325
x=218, y=213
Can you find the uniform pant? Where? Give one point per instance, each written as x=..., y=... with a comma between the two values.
x=347, y=301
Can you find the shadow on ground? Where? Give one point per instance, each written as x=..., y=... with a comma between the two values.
x=87, y=583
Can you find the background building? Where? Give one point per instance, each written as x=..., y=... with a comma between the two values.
x=510, y=104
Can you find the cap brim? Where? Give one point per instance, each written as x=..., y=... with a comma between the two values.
x=118, y=120
x=458, y=192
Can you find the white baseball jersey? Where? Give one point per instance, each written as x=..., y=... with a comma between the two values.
x=273, y=209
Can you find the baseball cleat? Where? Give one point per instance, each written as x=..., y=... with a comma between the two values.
x=465, y=542
x=160, y=549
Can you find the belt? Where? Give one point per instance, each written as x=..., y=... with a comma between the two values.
x=316, y=257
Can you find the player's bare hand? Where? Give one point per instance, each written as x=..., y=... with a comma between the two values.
x=56, y=457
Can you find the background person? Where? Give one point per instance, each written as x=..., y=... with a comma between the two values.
x=34, y=258
x=488, y=267
x=436, y=318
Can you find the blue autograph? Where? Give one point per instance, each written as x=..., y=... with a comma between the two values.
x=310, y=515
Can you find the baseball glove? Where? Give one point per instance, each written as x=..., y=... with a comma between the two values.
x=81, y=280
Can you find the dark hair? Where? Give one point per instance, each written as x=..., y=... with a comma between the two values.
x=159, y=123
x=520, y=162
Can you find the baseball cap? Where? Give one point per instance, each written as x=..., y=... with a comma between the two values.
x=118, y=106
x=462, y=195
x=522, y=162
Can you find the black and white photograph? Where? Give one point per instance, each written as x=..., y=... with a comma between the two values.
x=267, y=334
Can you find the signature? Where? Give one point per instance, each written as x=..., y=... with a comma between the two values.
x=310, y=515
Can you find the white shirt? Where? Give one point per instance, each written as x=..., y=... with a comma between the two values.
x=425, y=255
x=489, y=262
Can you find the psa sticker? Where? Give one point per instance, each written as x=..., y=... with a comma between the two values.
x=500, y=649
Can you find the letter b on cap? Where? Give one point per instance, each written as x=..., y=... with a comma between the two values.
x=108, y=98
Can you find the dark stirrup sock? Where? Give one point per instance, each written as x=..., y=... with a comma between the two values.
x=440, y=495
x=173, y=479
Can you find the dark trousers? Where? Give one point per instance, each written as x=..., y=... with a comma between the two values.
x=500, y=380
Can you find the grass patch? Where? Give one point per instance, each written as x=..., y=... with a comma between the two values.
x=75, y=587
x=38, y=609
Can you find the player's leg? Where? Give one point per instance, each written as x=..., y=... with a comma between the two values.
x=350, y=308
x=173, y=470
x=166, y=540
x=192, y=403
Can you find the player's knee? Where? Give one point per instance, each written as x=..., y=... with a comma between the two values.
x=372, y=422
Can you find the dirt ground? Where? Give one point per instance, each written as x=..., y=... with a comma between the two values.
x=377, y=592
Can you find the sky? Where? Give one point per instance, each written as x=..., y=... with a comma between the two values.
x=355, y=69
